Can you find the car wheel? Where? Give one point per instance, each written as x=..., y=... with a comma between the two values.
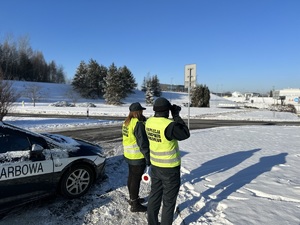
x=76, y=181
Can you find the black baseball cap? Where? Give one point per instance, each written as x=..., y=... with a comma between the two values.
x=136, y=107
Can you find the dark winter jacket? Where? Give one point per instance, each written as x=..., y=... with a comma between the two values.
x=175, y=130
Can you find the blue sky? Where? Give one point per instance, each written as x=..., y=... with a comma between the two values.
x=237, y=45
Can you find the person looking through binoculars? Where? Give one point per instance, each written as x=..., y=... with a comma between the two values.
x=163, y=134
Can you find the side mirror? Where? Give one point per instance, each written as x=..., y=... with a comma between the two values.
x=36, y=147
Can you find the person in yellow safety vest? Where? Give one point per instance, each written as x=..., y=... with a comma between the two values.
x=163, y=134
x=136, y=153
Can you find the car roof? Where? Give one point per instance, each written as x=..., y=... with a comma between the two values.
x=8, y=125
x=50, y=138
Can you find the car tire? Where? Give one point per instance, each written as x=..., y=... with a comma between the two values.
x=76, y=181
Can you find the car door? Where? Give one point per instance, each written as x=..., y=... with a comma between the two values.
x=25, y=174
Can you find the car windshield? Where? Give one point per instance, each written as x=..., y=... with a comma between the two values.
x=52, y=142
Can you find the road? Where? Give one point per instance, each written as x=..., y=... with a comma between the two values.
x=112, y=133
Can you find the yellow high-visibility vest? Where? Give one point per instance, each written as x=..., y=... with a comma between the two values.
x=163, y=153
x=131, y=149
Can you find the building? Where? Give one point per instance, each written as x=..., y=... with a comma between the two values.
x=289, y=96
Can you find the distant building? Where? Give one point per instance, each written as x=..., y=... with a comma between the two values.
x=290, y=96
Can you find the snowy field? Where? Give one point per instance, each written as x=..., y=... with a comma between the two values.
x=230, y=175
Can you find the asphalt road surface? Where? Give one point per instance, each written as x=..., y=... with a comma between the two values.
x=113, y=133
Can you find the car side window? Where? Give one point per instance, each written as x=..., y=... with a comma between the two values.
x=13, y=141
x=38, y=140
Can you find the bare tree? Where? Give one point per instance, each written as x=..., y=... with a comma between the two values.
x=33, y=92
x=73, y=96
x=7, y=96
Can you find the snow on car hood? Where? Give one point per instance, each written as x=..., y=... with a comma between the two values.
x=63, y=141
x=66, y=145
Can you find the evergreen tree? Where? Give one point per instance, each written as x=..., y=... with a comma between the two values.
x=96, y=74
x=60, y=76
x=101, y=79
x=8, y=57
x=144, y=85
x=153, y=82
x=206, y=96
x=156, y=86
x=149, y=95
x=113, y=88
x=127, y=81
x=200, y=96
x=80, y=80
x=52, y=70
x=40, y=70
x=89, y=79
x=26, y=67
x=119, y=83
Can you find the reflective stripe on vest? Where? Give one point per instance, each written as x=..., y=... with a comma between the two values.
x=131, y=149
x=163, y=153
x=165, y=161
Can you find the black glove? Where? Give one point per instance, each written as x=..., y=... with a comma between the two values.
x=175, y=109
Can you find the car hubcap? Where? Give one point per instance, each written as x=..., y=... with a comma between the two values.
x=78, y=181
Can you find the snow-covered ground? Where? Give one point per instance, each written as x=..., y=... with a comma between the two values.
x=230, y=175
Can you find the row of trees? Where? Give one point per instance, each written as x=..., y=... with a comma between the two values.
x=114, y=84
x=19, y=62
x=96, y=81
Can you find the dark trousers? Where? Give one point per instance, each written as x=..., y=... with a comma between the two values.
x=165, y=184
x=134, y=180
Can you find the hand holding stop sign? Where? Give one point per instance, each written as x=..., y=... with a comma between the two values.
x=146, y=176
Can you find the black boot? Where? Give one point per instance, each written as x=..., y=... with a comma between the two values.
x=137, y=207
x=140, y=200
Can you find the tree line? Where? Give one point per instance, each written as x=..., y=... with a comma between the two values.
x=93, y=80
x=18, y=61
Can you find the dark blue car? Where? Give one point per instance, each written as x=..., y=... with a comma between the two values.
x=36, y=165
